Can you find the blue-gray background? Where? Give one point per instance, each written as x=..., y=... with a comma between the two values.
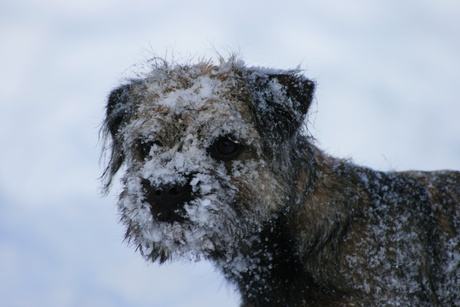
x=388, y=96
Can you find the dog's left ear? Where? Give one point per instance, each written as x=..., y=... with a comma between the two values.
x=281, y=102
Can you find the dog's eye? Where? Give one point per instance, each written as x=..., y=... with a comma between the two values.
x=225, y=149
x=146, y=146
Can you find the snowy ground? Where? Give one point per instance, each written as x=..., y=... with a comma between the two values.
x=388, y=95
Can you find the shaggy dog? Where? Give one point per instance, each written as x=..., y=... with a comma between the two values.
x=218, y=165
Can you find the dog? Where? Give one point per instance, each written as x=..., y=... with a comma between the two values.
x=218, y=164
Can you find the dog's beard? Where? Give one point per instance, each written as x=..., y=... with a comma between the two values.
x=224, y=212
x=212, y=227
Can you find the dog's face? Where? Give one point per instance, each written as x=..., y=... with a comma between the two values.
x=199, y=145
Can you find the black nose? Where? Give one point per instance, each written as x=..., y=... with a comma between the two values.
x=167, y=202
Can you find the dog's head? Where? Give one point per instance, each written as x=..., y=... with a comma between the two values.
x=205, y=150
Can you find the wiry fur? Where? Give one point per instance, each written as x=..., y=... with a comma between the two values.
x=288, y=224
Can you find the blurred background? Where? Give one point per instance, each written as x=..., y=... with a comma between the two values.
x=388, y=96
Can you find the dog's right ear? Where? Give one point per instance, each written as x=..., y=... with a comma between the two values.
x=118, y=111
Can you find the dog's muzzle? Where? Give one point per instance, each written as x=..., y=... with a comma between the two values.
x=167, y=201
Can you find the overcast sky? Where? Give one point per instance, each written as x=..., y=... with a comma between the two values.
x=388, y=96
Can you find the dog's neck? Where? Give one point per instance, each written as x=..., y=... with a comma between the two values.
x=272, y=274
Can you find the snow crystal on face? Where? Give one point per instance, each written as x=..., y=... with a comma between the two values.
x=202, y=90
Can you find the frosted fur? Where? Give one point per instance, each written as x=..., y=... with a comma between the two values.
x=210, y=221
x=286, y=223
x=400, y=241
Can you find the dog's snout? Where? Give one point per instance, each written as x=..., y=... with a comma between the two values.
x=167, y=201
x=170, y=195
